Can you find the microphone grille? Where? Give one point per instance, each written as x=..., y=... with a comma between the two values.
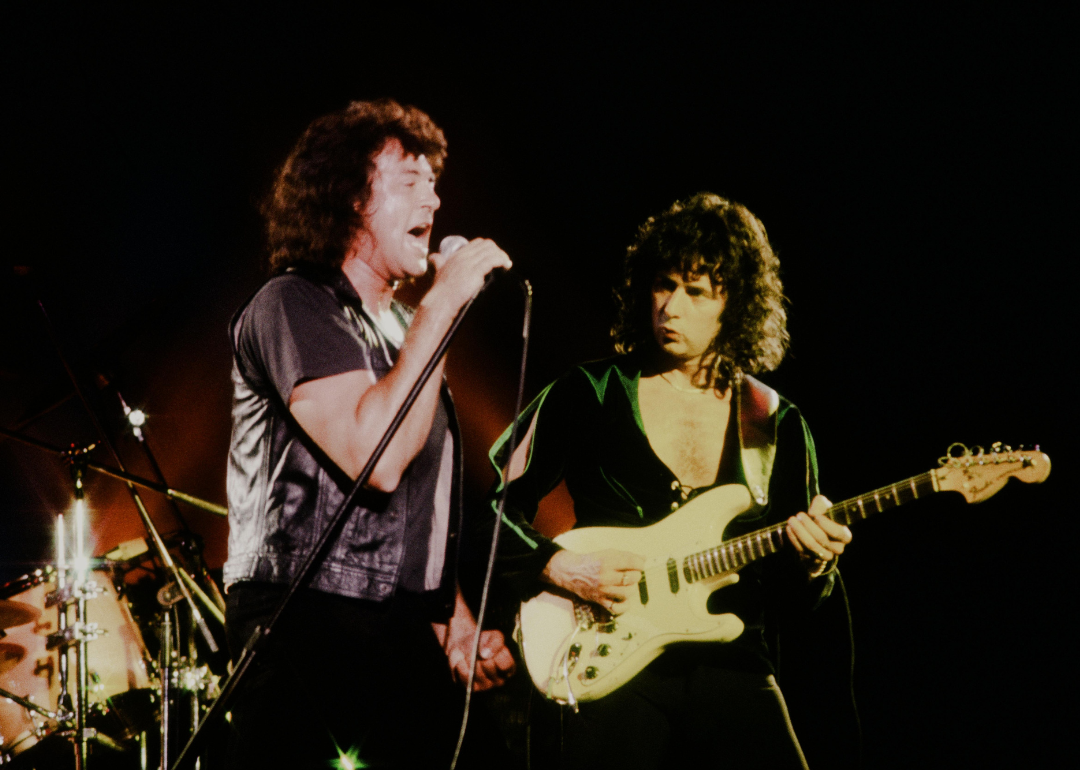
x=451, y=243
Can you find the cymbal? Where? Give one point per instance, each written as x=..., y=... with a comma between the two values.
x=16, y=613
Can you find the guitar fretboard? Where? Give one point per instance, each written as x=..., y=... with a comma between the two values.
x=736, y=553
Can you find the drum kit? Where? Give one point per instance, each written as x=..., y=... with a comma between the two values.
x=98, y=669
x=108, y=661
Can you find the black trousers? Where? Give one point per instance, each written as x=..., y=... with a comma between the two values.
x=341, y=675
x=681, y=711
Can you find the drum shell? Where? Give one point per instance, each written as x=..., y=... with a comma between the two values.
x=117, y=660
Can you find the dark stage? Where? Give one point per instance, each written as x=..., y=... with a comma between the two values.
x=914, y=168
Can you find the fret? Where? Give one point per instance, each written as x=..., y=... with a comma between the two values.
x=862, y=509
x=895, y=497
x=914, y=489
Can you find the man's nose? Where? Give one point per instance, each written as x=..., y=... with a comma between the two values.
x=432, y=199
x=674, y=305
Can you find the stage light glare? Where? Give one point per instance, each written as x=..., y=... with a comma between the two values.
x=348, y=760
x=137, y=418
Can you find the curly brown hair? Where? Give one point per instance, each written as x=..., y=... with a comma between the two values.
x=313, y=211
x=707, y=234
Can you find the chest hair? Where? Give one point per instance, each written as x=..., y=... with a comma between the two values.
x=685, y=430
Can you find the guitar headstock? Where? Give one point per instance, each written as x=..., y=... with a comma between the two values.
x=977, y=474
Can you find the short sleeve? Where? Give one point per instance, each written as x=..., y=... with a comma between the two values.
x=293, y=331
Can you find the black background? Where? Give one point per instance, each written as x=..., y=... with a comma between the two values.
x=913, y=166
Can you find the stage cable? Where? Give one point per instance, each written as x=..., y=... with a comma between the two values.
x=851, y=672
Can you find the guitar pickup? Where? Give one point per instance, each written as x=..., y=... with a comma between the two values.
x=673, y=575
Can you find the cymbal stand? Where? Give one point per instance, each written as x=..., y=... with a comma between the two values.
x=167, y=599
x=82, y=632
x=191, y=544
x=64, y=701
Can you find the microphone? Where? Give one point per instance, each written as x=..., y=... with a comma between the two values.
x=449, y=245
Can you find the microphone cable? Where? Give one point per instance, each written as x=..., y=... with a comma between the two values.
x=526, y=288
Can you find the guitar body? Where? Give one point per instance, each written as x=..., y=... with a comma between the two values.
x=576, y=651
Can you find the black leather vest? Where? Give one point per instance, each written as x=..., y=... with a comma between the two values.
x=283, y=490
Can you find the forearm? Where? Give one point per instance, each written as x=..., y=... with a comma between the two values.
x=347, y=414
x=380, y=403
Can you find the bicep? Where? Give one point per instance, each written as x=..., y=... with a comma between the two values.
x=326, y=408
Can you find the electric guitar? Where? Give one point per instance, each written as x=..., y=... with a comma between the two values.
x=576, y=651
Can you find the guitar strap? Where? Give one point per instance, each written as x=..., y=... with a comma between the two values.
x=756, y=407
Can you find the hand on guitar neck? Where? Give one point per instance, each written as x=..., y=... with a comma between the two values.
x=605, y=577
x=817, y=539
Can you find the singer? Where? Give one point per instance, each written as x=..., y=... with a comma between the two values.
x=360, y=667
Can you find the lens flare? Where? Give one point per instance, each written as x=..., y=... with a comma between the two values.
x=347, y=760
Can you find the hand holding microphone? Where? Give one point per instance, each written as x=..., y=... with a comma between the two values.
x=461, y=277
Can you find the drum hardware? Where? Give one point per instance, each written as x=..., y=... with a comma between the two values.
x=160, y=549
x=167, y=597
x=187, y=540
x=40, y=658
x=130, y=478
x=30, y=705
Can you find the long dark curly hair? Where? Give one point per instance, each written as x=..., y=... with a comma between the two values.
x=707, y=234
x=313, y=211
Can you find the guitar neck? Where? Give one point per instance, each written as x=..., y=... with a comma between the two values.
x=736, y=553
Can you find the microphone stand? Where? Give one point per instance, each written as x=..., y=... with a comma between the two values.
x=261, y=634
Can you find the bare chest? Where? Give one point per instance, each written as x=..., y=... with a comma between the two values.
x=685, y=430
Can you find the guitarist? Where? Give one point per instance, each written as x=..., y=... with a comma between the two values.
x=637, y=436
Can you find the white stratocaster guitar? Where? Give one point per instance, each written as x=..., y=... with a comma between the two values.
x=577, y=651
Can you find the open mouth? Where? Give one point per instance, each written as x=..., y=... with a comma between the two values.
x=420, y=230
